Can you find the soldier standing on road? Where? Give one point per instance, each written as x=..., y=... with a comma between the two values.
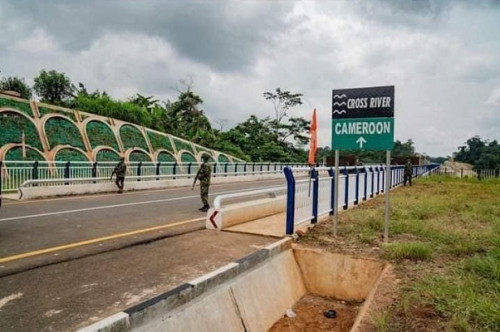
x=203, y=175
x=120, y=170
x=408, y=172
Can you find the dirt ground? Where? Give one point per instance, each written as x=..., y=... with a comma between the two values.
x=310, y=316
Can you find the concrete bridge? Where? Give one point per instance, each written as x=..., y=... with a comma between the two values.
x=66, y=263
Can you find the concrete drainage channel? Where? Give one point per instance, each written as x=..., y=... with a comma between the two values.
x=255, y=292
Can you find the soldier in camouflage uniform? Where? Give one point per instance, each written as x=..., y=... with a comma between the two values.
x=408, y=172
x=203, y=175
x=120, y=170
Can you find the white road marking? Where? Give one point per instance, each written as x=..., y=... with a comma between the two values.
x=120, y=205
x=9, y=298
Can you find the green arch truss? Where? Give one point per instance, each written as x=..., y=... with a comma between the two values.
x=17, y=105
x=16, y=154
x=159, y=141
x=62, y=131
x=70, y=155
x=187, y=157
x=107, y=155
x=100, y=134
x=139, y=156
x=13, y=125
x=166, y=157
x=132, y=138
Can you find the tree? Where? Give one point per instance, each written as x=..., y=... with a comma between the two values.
x=481, y=154
x=54, y=88
x=147, y=103
x=16, y=84
x=282, y=102
x=403, y=149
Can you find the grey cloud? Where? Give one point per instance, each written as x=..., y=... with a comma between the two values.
x=217, y=33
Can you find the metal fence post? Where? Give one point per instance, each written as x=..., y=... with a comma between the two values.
x=225, y=169
x=34, y=172
x=158, y=170
x=235, y=169
x=383, y=177
x=189, y=168
x=356, y=195
x=174, y=169
x=253, y=169
x=215, y=169
x=245, y=169
x=290, y=200
x=261, y=168
x=94, y=170
x=139, y=170
x=366, y=185
x=66, y=171
x=346, y=195
x=331, y=173
x=372, y=193
x=314, y=178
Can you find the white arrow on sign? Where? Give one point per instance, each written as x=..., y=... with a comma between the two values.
x=361, y=141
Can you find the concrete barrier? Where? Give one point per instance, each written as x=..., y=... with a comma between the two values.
x=26, y=193
x=252, y=293
x=235, y=214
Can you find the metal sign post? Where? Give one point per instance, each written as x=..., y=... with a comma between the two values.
x=335, y=197
x=387, y=187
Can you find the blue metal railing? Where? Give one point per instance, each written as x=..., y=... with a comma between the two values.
x=307, y=199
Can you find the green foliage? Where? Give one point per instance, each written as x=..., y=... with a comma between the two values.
x=16, y=84
x=45, y=111
x=70, y=155
x=486, y=266
x=412, y=251
x=187, y=157
x=13, y=126
x=159, y=141
x=166, y=157
x=53, y=87
x=481, y=154
x=132, y=138
x=17, y=105
x=107, y=155
x=181, y=145
x=62, y=131
x=139, y=156
x=100, y=134
x=17, y=154
x=105, y=106
x=222, y=158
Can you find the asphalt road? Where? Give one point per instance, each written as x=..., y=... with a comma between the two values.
x=70, y=287
x=27, y=229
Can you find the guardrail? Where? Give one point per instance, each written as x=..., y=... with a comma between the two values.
x=14, y=173
x=307, y=199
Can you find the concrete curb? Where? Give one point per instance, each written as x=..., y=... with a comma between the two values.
x=136, y=315
x=28, y=193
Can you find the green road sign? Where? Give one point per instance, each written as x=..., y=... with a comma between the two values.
x=363, y=118
x=363, y=134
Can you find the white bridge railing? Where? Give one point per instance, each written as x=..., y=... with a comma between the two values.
x=14, y=174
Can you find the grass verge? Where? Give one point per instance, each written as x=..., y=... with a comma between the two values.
x=444, y=241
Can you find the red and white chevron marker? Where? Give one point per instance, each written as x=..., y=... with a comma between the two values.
x=212, y=218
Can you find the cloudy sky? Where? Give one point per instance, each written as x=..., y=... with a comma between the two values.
x=443, y=57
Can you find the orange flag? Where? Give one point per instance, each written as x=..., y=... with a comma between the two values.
x=313, y=143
